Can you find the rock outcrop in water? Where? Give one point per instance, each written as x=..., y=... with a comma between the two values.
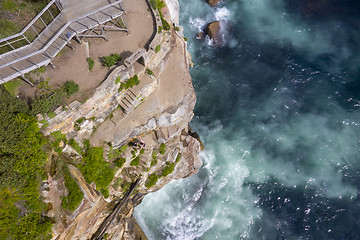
x=213, y=2
x=214, y=31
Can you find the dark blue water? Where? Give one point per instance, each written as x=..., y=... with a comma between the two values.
x=278, y=111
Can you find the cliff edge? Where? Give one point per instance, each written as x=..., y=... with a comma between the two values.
x=137, y=123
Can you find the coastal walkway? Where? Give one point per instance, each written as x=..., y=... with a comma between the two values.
x=61, y=21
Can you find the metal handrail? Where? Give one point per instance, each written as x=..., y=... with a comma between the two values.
x=21, y=33
x=44, y=49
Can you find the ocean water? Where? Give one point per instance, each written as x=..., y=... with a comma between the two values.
x=278, y=111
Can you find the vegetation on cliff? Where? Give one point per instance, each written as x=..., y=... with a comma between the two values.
x=74, y=194
x=95, y=169
x=21, y=169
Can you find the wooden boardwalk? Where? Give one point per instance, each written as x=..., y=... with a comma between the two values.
x=76, y=19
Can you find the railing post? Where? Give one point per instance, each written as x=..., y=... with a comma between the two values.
x=43, y=21
x=50, y=13
x=10, y=45
x=26, y=38
x=34, y=30
x=58, y=4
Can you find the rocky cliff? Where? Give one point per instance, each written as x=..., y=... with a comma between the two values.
x=146, y=127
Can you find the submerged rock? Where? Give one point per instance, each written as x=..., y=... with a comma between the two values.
x=213, y=2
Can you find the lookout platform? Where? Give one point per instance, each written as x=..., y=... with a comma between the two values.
x=61, y=21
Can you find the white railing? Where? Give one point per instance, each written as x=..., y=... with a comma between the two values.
x=61, y=31
x=8, y=41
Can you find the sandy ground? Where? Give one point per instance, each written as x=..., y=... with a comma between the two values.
x=72, y=65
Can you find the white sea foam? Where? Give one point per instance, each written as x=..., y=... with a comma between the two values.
x=197, y=23
x=222, y=14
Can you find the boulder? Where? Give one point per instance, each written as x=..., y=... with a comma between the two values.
x=213, y=31
x=213, y=2
x=200, y=35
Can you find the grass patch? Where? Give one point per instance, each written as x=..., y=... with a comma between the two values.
x=111, y=60
x=12, y=86
x=157, y=49
x=75, y=195
x=91, y=63
x=41, y=69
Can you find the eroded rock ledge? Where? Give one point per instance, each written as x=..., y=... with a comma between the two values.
x=157, y=111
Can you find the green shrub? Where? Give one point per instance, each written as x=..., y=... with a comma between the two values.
x=119, y=162
x=21, y=167
x=51, y=115
x=95, y=169
x=157, y=49
x=130, y=83
x=117, y=80
x=162, y=148
x=44, y=123
x=135, y=162
x=75, y=195
x=105, y=192
x=113, y=153
x=186, y=39
x=46, y=103
x=111, y=60
x=58, y=137
x=157, y=4
x=78, y=123
x=154, y=158
x=91, y=63
x=70, y=87
x=177, y=28
x=168, y=169
x=152, y=180
x=75, y=145
x=165, y=24
x=178, y=158
x=149, y=72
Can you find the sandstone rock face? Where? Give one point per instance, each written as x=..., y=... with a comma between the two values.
x=160, y=111
x=213, y=2
x=174, y=9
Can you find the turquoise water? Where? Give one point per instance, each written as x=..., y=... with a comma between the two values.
x=278, y=111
